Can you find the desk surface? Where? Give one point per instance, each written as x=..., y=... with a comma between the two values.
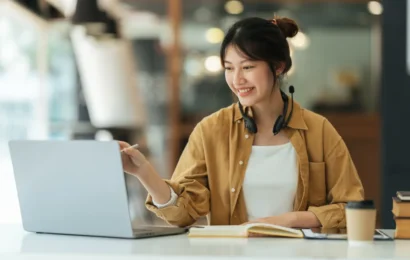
x=15, y=243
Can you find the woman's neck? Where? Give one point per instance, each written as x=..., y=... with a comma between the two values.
x=267, y=111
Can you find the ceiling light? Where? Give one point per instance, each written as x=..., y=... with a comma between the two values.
x=375, y=8
x=213, y=64
x=234, y=7
x=214, y=35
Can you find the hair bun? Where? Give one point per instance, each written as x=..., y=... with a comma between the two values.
x=288, y=27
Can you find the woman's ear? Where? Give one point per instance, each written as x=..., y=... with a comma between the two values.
x=280, y=68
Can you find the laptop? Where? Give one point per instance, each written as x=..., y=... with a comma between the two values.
x=76, y=188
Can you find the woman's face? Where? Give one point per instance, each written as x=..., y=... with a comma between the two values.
x=251, y=81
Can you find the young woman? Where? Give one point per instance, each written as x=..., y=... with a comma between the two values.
x=262, y=159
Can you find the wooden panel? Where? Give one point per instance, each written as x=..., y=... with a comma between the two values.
x=361, y=133
x=174, y=73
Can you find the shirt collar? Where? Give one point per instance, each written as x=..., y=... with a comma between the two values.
x=296, y=121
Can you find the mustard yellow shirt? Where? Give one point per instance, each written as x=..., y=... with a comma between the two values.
x=210, y=172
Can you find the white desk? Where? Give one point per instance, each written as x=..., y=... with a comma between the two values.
x=15, y=243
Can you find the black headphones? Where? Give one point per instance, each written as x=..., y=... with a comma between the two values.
x=280, y=122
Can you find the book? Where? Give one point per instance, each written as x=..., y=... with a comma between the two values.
x=402, y=234
x=403, y=195
x=402, y=227
x=401, y=208
x=245, y=231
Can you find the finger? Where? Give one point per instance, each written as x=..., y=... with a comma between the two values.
x=134, y=153
x=123, y=145
x=125, y=159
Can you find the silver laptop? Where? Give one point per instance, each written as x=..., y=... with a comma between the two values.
x=76, y=188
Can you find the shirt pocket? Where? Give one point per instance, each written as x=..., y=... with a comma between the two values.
x=317, y=183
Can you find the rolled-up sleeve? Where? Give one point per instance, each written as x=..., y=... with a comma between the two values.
x=190, y=183
x=342, y=184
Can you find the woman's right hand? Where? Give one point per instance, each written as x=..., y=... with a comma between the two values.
x=135, y=163
x=132, y=159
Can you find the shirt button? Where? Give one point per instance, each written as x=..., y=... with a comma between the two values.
x=238, y=121
x=233, y=190
x=246, y=136
x=240, y=162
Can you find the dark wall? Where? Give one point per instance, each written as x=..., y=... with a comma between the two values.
x=395, y=109
x=45, y=11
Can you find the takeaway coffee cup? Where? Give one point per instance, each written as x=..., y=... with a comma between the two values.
x=361, y=221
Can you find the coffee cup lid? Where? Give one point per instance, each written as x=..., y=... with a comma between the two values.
x=362, y=204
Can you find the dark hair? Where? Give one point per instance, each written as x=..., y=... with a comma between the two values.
x=261, y=39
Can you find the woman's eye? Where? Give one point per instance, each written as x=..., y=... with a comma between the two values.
x=228, y=68
x=248, y=67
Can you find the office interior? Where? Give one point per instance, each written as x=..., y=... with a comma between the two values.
x=147, y=71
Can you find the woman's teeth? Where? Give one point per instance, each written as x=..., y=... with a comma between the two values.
x=244, y=90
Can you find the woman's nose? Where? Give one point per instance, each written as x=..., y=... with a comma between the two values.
x=238, y=79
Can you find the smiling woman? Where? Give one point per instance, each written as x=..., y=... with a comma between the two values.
x=264, y=159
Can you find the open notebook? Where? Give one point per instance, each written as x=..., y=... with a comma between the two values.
x=244, y=231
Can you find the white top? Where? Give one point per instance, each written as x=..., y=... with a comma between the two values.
x=16, y=244
x=270, y=180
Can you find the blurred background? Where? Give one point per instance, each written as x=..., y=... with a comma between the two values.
x=146, y=71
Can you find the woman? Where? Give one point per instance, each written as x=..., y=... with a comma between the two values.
x=263, y=159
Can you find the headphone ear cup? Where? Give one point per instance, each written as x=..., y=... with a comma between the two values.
x=250, y=125
x=278, y=125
